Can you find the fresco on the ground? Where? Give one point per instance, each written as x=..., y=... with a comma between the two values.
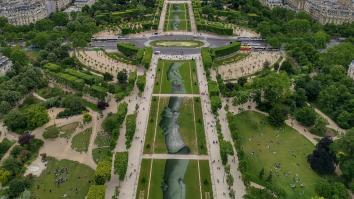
x=173, y=186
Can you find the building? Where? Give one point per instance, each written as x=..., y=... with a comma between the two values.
x=330, y=11
x=272, y=3
x=296, y=5
x=82, y=3
x=5, y=65
x=57, y=5
x=351, y=70
x=23, y=12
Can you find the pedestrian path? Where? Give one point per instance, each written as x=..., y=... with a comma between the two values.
x=176, y=95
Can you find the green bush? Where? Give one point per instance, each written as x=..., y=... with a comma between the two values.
x=226, y=50
x=213, y=88
x=103, y=172
x=121, y=164
x=141, y=82
x=206, y=57
x=225, y=149
x=145, y=61
x=4, y=146
x=214, y=28
x=130, y=123
x=128, y=49
x=215, y=103
x=96, y=192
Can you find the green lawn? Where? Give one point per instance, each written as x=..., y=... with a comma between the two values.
x=186, y=123
x=77, y=180
x=187, y=71
x=51, y=132
x=177, y=18
x=191, y=179
x=102, y=139
x=99, y=154
x=81, y=141
x=230, y=59
x=68, y=130
x=177, y=43
x=282, y=150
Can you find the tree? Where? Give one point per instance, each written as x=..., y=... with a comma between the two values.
x=122, y=76
x=15, y=121
x=306, y=116
x=4, y=176
x=17, y=186
x=242, y=81
x=40, y=40
x=25, y=139
x=322, y=159
x=300, y=97
x=36, y=115
x=103, y=172
x=96, y=192
x=331, y=190
x=107, y=77
x=344, y=148
x=278, y=114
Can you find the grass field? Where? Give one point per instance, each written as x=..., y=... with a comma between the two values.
x=186, y=123
x=177, y=18
x=187, y=71
x=177, y=43
x=280, y=150
x=191, y=179
x=78, y=179
x=68, y=130
x=81, y=141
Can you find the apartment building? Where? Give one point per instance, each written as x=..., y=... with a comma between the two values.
x=5, y=65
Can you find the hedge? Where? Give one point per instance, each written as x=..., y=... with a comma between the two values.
x=96, y=192
x=214, y=29
x=227, y=50
x=141, y=82
x=121, y=112
x=121, y=164
x=52, y=67
x=145, y=61
x=213, y=88
x=128, y=49
x=103, y=172
x=130, y=124
x=225, y=149
x=206, y=57
x=215, y=103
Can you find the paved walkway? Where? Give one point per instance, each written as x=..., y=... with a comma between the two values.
x=162, y=17
x=176, y=156
x=238, y=186
x=218, y=175
x=129, y=185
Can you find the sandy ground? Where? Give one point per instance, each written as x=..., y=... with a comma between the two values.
x=253, y=63
x=99, y=61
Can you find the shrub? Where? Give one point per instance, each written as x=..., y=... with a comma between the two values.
x=206, y=57
x=96, y=192
x=145, y=61
x=225, y=149
x=141, y=82
x=121, y=164
x=103, y=172
x=4, y=146
x=128, y=49
x=215, y=103
x=213, y=88
x=130, y=123
x=226, y=50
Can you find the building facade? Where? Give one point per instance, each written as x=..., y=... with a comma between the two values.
x=330, y=11
x=24, y=12
x=351, y=70
x=272, y=3
x=5, y=65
